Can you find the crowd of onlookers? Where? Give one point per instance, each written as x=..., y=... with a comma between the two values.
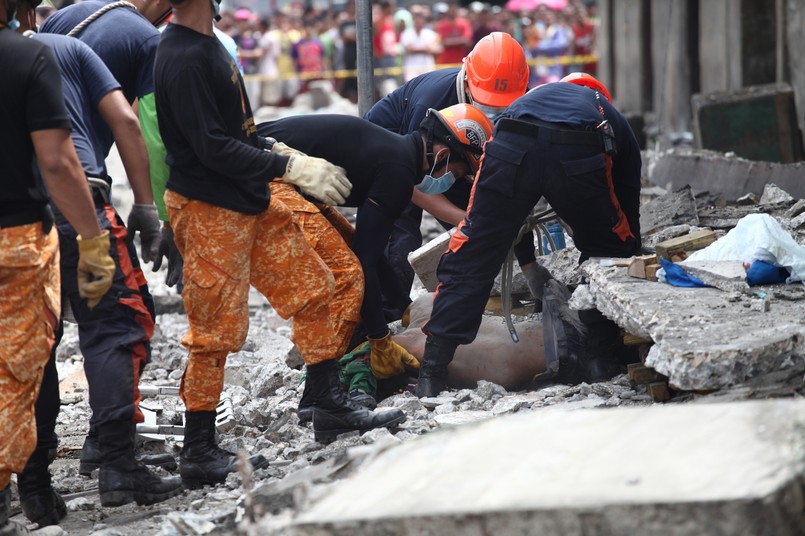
x=281, y=53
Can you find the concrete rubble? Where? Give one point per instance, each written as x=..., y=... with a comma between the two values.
x=600, y=459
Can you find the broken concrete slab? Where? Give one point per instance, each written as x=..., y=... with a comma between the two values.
x=673, y=208
x=704, y=338
x=584, y=472
x=717, y=172
x=425, y=260
x=729, y=276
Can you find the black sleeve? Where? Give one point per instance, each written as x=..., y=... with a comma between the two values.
x=373, y=226
x=388, y=112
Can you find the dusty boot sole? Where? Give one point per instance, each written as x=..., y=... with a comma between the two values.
x=198, y=483
x=121, y=497
x=328, y=436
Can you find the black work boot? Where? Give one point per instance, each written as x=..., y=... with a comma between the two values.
x=7, y=526
x=122, y=479
x=40, y=503
x=201, y=461
x=334, y=413
x=578, y=344
x=91, y=456
x=305, y=410
x=439, y=352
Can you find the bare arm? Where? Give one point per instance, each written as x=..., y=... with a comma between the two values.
x=65, y=180
x=438, y=206
x=125, y=126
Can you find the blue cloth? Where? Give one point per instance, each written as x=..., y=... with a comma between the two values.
x=86, y=80
x=676, y=276
x=765, y=273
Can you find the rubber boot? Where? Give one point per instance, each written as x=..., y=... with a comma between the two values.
x=201, y=461
x=122, y=479
x=7, y=526
x=334, y=413
x=439, y=352
x=91, y=456
x=40, y=503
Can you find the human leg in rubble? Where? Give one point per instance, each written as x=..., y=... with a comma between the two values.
x=591, y=179
x=492, y=356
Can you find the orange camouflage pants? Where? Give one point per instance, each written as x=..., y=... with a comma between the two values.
x=224, y=253
x=345, y=307
x=30, y=305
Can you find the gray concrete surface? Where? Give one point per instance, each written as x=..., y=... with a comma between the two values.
x=729, y=175
x=705, y=338
x=672, y=470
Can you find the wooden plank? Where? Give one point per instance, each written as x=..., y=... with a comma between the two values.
x=686, y=243
x=659, y=391
x=647, y=375
x=651, y=272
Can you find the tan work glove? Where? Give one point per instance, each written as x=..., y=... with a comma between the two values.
x=318, y=178
x=389, y=358
x=96, y=269
x=282, y=149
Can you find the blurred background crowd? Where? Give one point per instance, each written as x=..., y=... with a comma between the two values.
x=282, y=50
x=283, y=45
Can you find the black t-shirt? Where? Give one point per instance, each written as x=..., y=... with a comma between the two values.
x=380, y=165
x=31, y=99
x=207, y=125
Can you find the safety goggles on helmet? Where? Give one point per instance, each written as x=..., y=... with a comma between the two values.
x=496, y=71
x=586, y=80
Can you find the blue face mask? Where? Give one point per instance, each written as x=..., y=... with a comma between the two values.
x=432, y=185
x=13, y=24
x=216, y=7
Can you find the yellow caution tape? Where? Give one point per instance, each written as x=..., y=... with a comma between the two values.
x=399, y=71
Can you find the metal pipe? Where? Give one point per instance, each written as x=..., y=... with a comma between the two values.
x=366, y=82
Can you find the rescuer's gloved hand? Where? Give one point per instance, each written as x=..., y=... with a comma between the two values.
x=96, y=269
x=280, y=148
x=145, y=220
x=167, y=248
x=406, y=316
x=389, y=358
x=318, y=178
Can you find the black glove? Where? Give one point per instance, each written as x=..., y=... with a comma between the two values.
x=167, y=248
x=143, y=219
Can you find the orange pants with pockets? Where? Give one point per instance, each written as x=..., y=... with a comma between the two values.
x=30, y=304
x=224, y=253
x=345, y=307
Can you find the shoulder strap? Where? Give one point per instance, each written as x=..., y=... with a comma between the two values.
x=86, y=22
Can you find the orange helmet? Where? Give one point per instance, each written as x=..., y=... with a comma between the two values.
x=462, y=127
x=586, y=80
x=496, y=69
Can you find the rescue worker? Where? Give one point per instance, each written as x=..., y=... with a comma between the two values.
x=386, y=169
x=35, y=124
x=494, y=74
x=114, y=334
x=129, y=55
x=232, y=234
x=567, y=142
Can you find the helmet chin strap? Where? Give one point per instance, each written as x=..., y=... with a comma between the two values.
x=461, y=86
